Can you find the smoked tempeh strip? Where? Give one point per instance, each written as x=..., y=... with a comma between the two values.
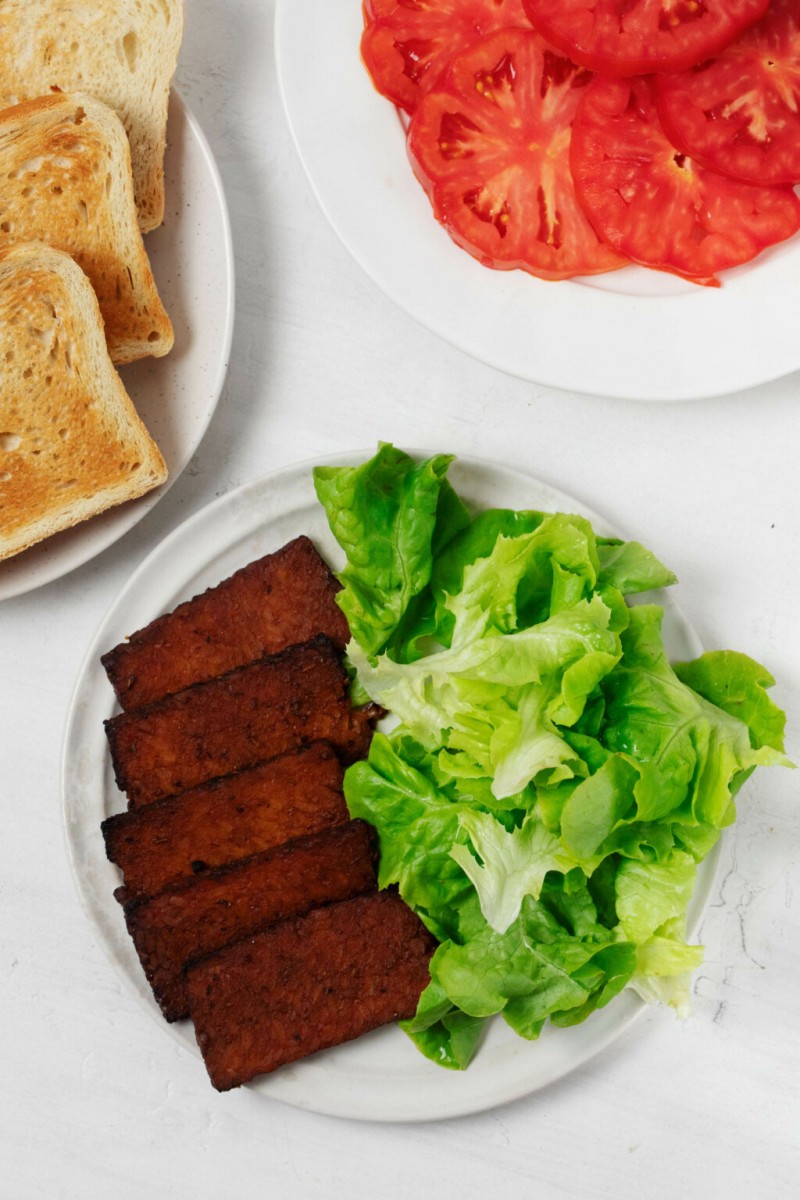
x=255, y=712
x=306, y=984
x=275, y=602
x=200, y=915
x=227, y=819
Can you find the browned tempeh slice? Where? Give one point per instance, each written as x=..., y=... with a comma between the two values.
x=255, y=712
x=284, y=598
x=227, y=819
x=193, y=918
x=306, y=984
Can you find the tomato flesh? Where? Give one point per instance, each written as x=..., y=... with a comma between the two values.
x=739, y=113
x=655, y=204
x=490, y=145
x=406, y=44
x=633, y=37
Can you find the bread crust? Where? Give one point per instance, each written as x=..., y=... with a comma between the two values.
x=71, y=442
x=65, y=179
x=123, y=51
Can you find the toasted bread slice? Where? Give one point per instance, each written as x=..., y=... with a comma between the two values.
x=122, y=51
x=65, y=179
x=71, y=444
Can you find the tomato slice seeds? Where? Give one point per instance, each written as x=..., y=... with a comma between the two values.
x=656, y=205
x=490, y=144
x=634, y=37
x=739, y=113
x=406, y=44
x=531, y=162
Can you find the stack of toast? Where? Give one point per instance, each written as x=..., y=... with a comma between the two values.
x=249, y=894
x=83, y=111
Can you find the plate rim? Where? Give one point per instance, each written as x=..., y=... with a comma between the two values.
x=642, y=383
x=139, y=508
x=624, y=1012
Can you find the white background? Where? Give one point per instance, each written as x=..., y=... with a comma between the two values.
x=95, y=1099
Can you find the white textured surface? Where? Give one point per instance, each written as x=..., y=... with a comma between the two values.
x=96, y=1101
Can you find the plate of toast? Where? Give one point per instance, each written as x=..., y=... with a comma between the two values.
x=116, y=281
x=209, y=837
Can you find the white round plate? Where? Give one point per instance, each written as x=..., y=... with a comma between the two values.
x=632, y=333
x=381, y=1076
x=192, y=259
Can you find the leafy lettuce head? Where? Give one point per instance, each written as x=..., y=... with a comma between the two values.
x=552, y=781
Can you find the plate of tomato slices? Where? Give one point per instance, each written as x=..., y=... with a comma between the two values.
x=595, y=196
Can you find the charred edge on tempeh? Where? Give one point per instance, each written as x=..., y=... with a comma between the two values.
x=277, y=601
x=194, y=917
x=229, y=818
x=258, y=711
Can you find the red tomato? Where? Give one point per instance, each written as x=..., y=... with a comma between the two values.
x=406, y=44
x=656, y=205
x=633, y=37
x=740, y=112
x=490, y=145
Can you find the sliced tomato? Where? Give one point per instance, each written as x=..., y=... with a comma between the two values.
x=655, y=204
x=406, y=44
x=634, y=37
x=490, y=145
x=740, y=112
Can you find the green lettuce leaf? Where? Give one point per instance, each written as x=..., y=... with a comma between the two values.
x=553, y=781
x=475, y=541
x=535, y=969
x=442, y=1032
x=737, y=684
x=664, y=966
x=384, y=515
x=510, y=864
x=690, y=754
x=417, y=826
x=532, y=575
x=496, y=700
x=630, y=568
x=650, y=894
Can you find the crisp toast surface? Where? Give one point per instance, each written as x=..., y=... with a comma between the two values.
x=66, y=180
x=71, y=442
x=122, y=51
